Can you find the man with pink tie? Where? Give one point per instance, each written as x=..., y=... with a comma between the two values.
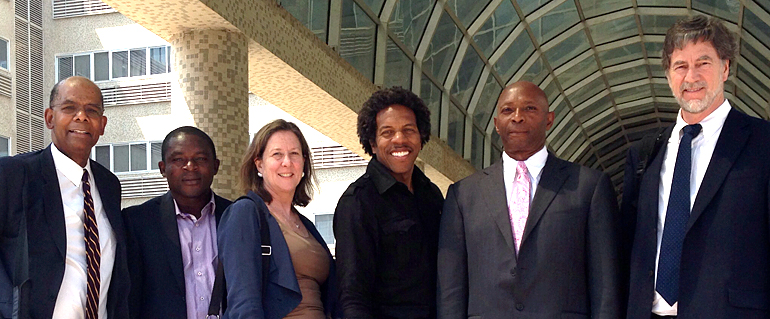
x=531, y=236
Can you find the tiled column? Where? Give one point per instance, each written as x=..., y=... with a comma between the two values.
x=213, y=76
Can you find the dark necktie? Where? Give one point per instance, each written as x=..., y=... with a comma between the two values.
x=677, y=214
x=93, y=253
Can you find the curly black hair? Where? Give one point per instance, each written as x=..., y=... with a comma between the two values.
x=380, y=100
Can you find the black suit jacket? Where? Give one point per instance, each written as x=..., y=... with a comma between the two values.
x=725, y=264
x=30, y=187
x=155, y=258
x=567, y=266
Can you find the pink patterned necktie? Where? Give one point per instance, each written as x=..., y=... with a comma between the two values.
x=519, y=207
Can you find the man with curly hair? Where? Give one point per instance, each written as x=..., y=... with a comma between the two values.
x=386, y=223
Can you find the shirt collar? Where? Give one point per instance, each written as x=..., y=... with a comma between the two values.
x=535, y=163
x=384, y=181
x=208, y=209
x=710, y=124
x=67, y=167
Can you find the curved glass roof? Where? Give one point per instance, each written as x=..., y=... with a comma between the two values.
x=597, y=60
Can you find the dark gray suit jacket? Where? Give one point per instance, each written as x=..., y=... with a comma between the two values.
x=155, y=258
x=30, y=188
x=568, y=261
x=725, y=264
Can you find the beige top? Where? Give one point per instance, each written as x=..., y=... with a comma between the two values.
x=311, y=265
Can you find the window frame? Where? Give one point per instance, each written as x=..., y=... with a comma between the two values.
x=7, y=54
x=148, y=156
x=315, y=223
x=110, y=76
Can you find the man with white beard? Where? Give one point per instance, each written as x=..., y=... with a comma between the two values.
x=697, y=210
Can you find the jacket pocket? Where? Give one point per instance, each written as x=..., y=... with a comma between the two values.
x=748, y=299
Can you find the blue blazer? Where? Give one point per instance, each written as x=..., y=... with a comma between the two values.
x=240, y=252
x=725, y=263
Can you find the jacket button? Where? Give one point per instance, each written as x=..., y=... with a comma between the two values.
x=651, y=273
x=519, y=306
x=513, y=273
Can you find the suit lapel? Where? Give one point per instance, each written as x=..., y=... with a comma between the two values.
x=493, y=190
x=54, y=209
x=551, y=181
x=731, y=141
x=168, y=224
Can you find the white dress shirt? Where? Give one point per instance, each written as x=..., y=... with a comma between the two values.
x=702, y=148
x=71, y=300
x=535, y=164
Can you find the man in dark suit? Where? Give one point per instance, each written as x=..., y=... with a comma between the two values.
x=701, y=246
x=172, y=245
x=71, y=207
x=531, y=236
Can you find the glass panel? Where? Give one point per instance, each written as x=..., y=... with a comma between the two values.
x=514, y=56
x=4, y=55
x=155, y=155
x=158, y=60
x=756, y=27
x=467, y=77
x=467, y=10
x=657, y=71
x=65, y=67
x=590, y=111
x=119, y=64
x=578, y=72
x=431, y=95
x=138, y=62
x=312, y=13
x=652, y=24
x=456, y=130
x=754, y=83
x=586, y=92
x=632, y=94
x=555, y=22
x=725, y=9
x=120, y=162
x=83, y=66
x=750, y=102
x=496, y=154
x=551, y=91
x=477, y=149
x=139, y=157
x=614, y=30
x=408, y=21
x=496, y=28
x=375, y=5
x=324, y=225
x=4, y=147
x=398, y=67
x=754, y=57
x=654, y=49
x=621, y=55
x=442, y=48
x=592, y=8
x=536, y=73
x=101, y=66
x=529, y=6
x=487, y=102
x=357, y=39
x=103, y=155
x=567, y=49
x=627, y=75
x=662, y=3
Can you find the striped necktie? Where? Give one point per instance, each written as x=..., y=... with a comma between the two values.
x=93, y=253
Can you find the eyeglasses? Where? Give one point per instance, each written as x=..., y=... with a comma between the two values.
x=91, y=111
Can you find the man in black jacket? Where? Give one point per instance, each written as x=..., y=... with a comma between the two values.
x=386, y=222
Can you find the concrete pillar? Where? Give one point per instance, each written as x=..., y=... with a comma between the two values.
x=212, y=68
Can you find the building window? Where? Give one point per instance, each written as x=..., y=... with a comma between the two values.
x=5, y=54
x=109, y=65
x=5, y=146
x=130, y=157
x=323, y=222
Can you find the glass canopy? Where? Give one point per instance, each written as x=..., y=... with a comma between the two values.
x=597, y=60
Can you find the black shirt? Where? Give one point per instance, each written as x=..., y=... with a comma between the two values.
x=387, y=245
